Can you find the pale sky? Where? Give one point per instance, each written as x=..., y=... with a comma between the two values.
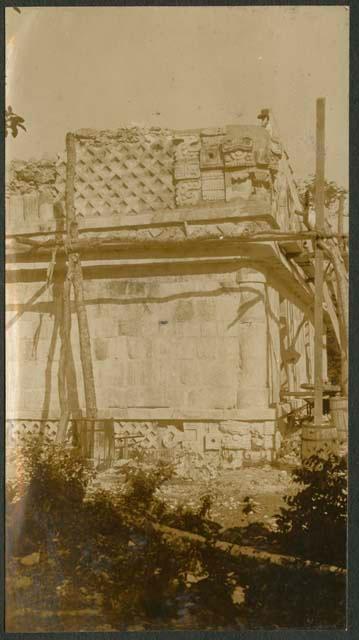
x=76, y=67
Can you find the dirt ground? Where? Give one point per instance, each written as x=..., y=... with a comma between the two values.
x=266, y=486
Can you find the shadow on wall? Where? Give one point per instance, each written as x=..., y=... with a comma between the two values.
x=67, y=381
x=67, y=376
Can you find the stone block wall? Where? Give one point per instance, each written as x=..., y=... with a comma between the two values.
x=183, y=359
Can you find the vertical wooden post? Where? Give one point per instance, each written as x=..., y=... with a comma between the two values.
x=71, y=227
x=65, y=321
x=75, y=277
x=85, y=341
x=63, y=377
x=343, y=299
x=320, y=438
x=319, y=262
x=340, y=216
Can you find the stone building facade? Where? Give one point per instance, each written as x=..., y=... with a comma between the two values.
x=197, y=331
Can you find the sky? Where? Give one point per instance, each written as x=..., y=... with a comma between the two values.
x=180, y=67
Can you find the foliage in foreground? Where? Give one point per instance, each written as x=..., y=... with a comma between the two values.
x=313, y=523
x=81, y=558
x=100, y=548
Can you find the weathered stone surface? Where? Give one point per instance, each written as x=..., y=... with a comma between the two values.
x=213, y=184
x=211, y=157
x=188, y=193
x=239, y=184
x=236, y=156
x=180, y=331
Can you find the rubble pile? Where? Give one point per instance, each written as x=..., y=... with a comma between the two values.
x=31, y=176
x=290, y=449
x=265, y=486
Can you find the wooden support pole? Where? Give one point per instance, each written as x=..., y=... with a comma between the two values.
x=342, y=296
x=84, y=335
x=77, y=280
x=341, y=214
x=65, y=320
x=65, y=332
x=71, y=226
x=319, y=262
x=74, y=277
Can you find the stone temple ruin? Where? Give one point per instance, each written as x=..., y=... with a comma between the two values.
x=196, y=334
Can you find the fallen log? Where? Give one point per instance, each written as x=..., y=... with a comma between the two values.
x=239, y=551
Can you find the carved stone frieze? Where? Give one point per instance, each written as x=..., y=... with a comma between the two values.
x=188, y=193
x=187, y=148
x=261, y=175
x=187, y=169
x=171, y=436
x=213, y=185
x=237, y=154
x=238, y=184
x=211, y=157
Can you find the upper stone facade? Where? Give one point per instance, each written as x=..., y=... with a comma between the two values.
x=127, y=172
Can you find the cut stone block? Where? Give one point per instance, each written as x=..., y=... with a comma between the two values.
x=212, y=442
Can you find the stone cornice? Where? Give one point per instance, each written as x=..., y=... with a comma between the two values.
x=241, y=210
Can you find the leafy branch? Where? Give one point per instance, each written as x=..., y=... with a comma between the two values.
x=13, y=123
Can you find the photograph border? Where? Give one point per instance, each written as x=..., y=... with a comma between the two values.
x=353, y=528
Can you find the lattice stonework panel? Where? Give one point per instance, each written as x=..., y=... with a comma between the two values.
x=144, y=434
x=19, y=431
x=122, y=177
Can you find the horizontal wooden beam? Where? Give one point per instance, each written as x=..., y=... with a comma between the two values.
x=116, y=239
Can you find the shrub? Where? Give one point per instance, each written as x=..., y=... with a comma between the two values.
x=49, y=487
x=313, y=522
x=101, y=548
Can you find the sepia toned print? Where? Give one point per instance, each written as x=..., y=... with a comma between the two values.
x=176, y=318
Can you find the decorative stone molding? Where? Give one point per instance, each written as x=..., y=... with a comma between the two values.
x=213, y=185
x=238, y=153
x=224, y=443
x=19, y=430
x=131, y=171
x=211, y=157
x=188, y=193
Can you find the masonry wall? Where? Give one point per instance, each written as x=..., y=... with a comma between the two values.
x=181, y=354
x=193, y=339
x=169, y=341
